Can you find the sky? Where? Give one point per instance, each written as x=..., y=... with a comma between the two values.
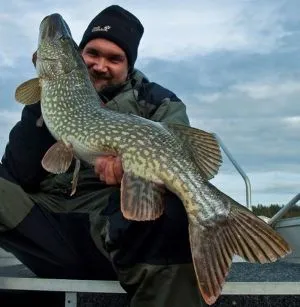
x=234, y=63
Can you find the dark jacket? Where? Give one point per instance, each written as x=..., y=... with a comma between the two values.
x=28, y=143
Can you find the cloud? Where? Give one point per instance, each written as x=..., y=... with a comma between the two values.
x=178, y=31
x=292, y=122
x=258, y=123
x=205, y=27
x=269, y=90
x=266, y=187
x=9, y=117
x=262, y=99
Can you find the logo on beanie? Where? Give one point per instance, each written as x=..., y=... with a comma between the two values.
x=101, y=29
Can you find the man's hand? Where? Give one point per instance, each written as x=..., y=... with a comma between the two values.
x=109, y=169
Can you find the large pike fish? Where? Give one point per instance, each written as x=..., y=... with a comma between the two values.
x=155, y=157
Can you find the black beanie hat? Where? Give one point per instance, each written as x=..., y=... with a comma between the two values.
x=119, y=26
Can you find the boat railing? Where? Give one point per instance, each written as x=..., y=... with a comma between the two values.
x=239, y=169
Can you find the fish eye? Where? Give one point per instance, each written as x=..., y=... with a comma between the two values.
x=63, y=39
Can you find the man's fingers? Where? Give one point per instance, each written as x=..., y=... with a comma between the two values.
x=100, y=165
x=118, y=169
x=109, y=171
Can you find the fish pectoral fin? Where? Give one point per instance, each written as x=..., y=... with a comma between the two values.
x=141, y=200
x=203, y=146
x=58, y=158
x=240, y=233
x=29, y=92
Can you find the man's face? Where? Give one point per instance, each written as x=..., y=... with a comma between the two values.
x=106, y=62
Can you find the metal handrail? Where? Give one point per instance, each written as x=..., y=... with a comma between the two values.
x=239, y=169
x=284, y=209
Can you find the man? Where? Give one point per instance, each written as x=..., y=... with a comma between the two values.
x=85, y=235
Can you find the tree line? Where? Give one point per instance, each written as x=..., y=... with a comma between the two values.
x=273, y=209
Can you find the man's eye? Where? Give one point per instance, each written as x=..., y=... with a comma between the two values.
x=92, y=52
x=116, y=59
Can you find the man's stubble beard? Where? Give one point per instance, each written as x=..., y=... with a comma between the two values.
x=108, y=86
x=105, y=82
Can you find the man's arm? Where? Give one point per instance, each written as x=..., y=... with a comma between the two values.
x=166, y=106
x=27, y=145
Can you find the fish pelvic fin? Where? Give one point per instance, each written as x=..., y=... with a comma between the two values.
x=214, y=246
x=141, y=200
x=58, y=158
x=29, y=92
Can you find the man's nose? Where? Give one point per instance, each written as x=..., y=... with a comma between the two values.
x=100, y=64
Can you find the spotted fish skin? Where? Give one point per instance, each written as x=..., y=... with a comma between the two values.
x=145, y=147
x=154, y=157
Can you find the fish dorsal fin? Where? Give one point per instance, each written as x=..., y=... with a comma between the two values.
x=29, y=92
x=141, y=200
x=58, y=158
x=203, y=145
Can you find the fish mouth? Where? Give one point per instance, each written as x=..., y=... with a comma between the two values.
x=57, y=53
x=54, y=27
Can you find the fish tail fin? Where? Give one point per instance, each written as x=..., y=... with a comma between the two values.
x=241, y=233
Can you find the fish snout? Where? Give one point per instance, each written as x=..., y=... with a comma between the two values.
x=54, y=26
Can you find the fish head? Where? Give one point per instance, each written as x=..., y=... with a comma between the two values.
x=57, y=52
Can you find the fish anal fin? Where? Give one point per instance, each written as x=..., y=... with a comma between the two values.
x=204, y=147
x=29, y=92
x=141, y=200
x=58, y=158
